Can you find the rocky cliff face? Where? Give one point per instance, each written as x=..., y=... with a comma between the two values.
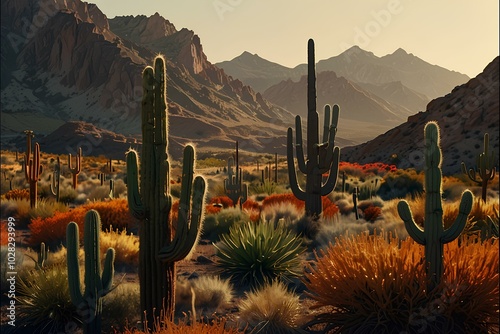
x=463, y=115
x=65, y=61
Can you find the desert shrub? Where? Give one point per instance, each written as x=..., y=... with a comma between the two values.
x=377, y=284
x=44, y=302
x=46, y=208
x=220, y=223
x=281, y=198
x=271, y=309
x=401, y=183
x=273, y=212
x=126, y=246
x=120, y=307
x=185, y=326
x=225, y=201
x=113, y=213
x=252, y=254
x=52, y=230
x=17, y=194
x=371, y=213
x=211, y=294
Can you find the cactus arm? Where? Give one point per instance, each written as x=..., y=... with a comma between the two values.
x=292, y=175
x=299, y=145
x=108, y=271
x=135, y=203
x=186, y=236
x=326, y=124
x=73, y=245
x=458, y=226
x=331, y=182
x=415, y=231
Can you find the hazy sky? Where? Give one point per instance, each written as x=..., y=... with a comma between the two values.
x=456, y=34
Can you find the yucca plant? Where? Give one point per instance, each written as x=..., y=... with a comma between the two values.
x=252, y=254
x=272, y=309
x=376, y=284
x=44, y=302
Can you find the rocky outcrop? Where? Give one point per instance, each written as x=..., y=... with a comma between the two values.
x=463, y=115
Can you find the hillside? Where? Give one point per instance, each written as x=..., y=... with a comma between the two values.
x=463, y=115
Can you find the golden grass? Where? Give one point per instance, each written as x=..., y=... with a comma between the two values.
x=126, y=246
x=165, y=326
x=378, y=283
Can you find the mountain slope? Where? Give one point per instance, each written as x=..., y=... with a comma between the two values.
x=75, y=67
x=463, y=115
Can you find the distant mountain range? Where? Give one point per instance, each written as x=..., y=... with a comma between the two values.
x=74, y=78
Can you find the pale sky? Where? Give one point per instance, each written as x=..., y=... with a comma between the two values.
x=456, y=34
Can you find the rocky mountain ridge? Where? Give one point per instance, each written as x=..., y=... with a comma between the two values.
x=463, y=115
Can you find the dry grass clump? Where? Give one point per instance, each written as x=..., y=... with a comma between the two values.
x=271, y=309
x=184, y=326
x=210, y=294
x=377, y=283
x=126, y=246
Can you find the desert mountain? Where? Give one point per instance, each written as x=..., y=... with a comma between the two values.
x=463, y=115
x=63, y=60
x=356, y=65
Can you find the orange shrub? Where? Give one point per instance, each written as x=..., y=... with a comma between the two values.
x=371, y=213
x=329, y=208
x=224, y=200
x=16, y=194
x=275, y=199
x=52, y=230
x=4, y=237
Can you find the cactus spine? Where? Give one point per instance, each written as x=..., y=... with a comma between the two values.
x=89, y=304
x=321, y=157
x=149, y=200
x=433, y=236
x=485, y=166
x=76, y=169
x=32, y=169
x=235, y=189
x=56, y=180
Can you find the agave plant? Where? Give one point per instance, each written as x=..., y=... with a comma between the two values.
x=253, y=254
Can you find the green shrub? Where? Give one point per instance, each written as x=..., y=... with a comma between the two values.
x=252, y=254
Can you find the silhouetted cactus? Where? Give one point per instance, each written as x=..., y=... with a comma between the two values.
x=161, y=245
x=433, y=235
x=76, y=169
x=41, y=257
x=56, y=180
x=355, y=194
x=89, y=304
x=485, y=168
x=322, y=157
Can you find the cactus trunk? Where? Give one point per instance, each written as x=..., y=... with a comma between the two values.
x=433, y=236
x=321, y=157
x=97, y=285
x=150, y=201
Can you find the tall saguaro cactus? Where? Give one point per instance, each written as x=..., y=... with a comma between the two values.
x=234, y=187
x=76, y=169
x=322, y=157
x=149, y=200
x=89, y=304
x=433, y=235
x=32, y=171
x=485, y=168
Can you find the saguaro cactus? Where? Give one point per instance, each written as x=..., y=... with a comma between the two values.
x=160, y=248
x=321, y=157
x=76, y=169
x=56, y=180
x=485, y=168
x=89, y=304
x=32, y=171
x=433, y=235
x=234, y=187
